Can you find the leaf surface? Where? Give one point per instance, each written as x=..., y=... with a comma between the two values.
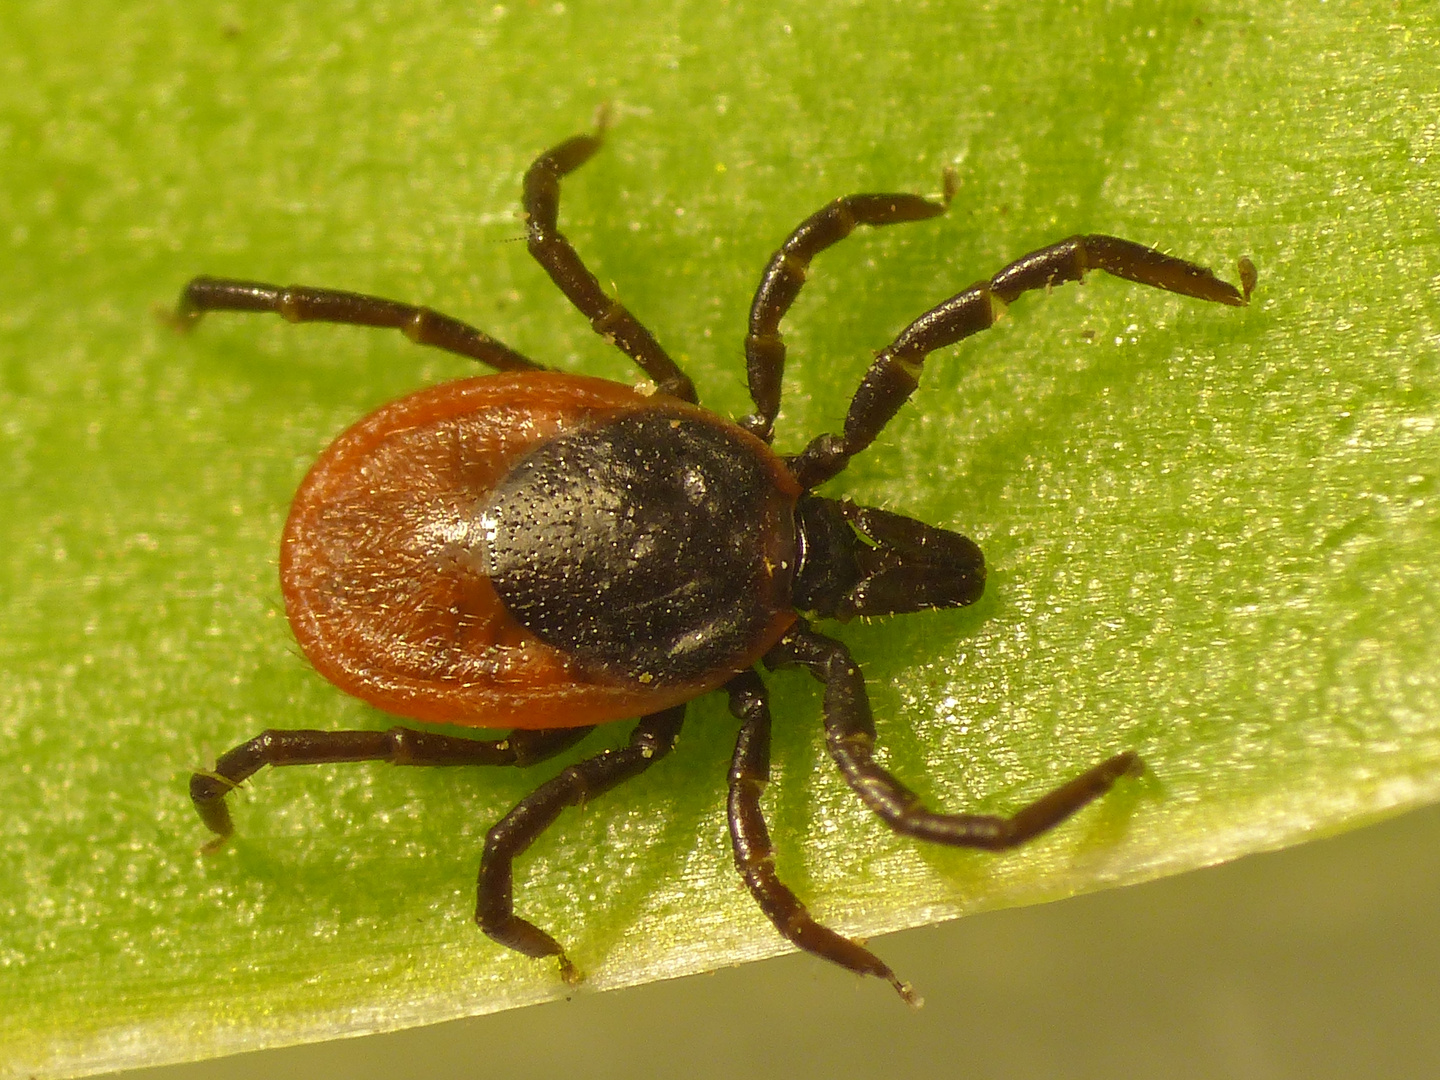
x=1212, y=533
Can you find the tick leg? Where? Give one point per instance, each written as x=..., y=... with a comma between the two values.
x=755, y=855
x=300, y=303
x=654, y=737
x=554, y=252
x=895, y=373
x=785, y=274
x=398, y=746
x=850, y=736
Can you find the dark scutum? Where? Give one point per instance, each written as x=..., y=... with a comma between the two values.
x=639, y=547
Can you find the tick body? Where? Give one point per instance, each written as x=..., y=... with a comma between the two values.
x=546, y=552
x=539, y=550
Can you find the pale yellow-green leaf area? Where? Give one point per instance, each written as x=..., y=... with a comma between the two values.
x=1212, y=532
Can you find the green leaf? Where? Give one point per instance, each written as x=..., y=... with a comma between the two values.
x=1212, y=532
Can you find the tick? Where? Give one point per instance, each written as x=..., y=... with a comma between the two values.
x=546, y=552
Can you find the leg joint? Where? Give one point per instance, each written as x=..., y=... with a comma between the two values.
x=416, y=326
x=608, y=321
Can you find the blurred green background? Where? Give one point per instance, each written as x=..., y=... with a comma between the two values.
x=1318, y=961
x=1212, y=533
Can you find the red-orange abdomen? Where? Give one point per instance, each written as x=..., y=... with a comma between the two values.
x=597, y=510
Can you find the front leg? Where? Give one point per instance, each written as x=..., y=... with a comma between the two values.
x=850, y=737
x=895, y=372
